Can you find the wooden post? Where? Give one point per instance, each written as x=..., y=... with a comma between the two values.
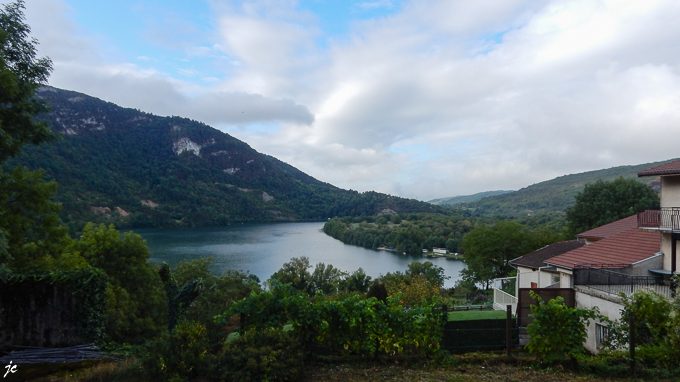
x=445, y=319
x=508, y=331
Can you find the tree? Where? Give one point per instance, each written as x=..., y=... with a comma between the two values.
x=295, y=272
x=357, y=281
x=21, y=72
x=432, y=273
x=604, y=202
x=488, y=249
x=326, y=279
x=137, y=303
x=29, y=226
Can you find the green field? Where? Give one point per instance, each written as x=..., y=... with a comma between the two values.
x=469, y=315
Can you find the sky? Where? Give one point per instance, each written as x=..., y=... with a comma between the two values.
x=419, y=99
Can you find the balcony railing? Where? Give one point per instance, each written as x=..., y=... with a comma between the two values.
x=615, y=282
x=667, y=218
x=503, y=293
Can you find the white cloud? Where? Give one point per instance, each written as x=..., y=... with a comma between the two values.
x=439, y=98
x=80, y=64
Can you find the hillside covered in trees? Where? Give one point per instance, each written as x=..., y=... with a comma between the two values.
x=136, y=169
x=553, y=196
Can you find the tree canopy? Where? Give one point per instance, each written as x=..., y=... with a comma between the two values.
x=604, y=202
x=488, y=249
x=29, y=224
x=137, y=305
x=21, y=72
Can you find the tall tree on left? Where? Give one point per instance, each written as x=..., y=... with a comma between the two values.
x=30, y=229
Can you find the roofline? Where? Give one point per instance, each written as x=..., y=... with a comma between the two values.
x=637, y=262
x=559, y=266
x=657, y=173
x=649, y=258
x=516, y=258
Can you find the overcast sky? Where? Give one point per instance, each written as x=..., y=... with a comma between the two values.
x=420, y=99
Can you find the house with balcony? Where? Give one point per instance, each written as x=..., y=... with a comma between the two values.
x=636, y=252
x=665, y=221
x=532, y=272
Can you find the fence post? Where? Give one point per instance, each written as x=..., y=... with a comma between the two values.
x=631, y=340
x=508, y=331
x=445, y=320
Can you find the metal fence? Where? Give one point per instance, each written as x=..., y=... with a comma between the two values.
x=615, y=282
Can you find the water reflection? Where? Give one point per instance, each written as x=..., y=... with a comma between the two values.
x=263, y=248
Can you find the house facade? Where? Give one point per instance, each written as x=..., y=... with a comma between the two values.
x=636, y=252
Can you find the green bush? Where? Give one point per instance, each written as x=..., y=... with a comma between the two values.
x=178, y=355
x=261, y=355
x=354, y=325
x=557, y=331
x=651, y=312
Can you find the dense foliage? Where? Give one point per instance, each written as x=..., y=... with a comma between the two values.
x=558, y=331
x=408, y=233
x=137, y=304
x=656, y=323
x=352, y=325
x=604, y=202
x=278, y=330
x=218, y=292
x=29, y=226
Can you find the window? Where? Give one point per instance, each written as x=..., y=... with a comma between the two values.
x=601, y=333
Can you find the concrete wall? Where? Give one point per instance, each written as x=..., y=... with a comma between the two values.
x=670, y=191
x=541, y=277
x=566, y=279
x=608, y=305
x=642, y=268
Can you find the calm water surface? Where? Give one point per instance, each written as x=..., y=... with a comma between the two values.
x=263, y=248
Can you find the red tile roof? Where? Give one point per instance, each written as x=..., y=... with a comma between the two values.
x=610, y=229
x=536, y=258
x=671, y=168
x=627, y=247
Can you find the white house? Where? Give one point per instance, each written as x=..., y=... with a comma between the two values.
x=639, y=251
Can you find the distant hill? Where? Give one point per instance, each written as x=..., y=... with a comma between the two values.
x=466, y=198
x=553, y=195
x=136, y=169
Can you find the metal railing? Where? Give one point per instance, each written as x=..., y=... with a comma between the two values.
x=667, y=218
x=615, y=282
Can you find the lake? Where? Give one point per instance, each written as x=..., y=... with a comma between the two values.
x=263, y=248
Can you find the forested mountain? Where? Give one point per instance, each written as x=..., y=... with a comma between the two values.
x=136, y=169
x=466, y=198
x=552, y=196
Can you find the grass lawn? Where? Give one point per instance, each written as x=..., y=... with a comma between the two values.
x=477, y=315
